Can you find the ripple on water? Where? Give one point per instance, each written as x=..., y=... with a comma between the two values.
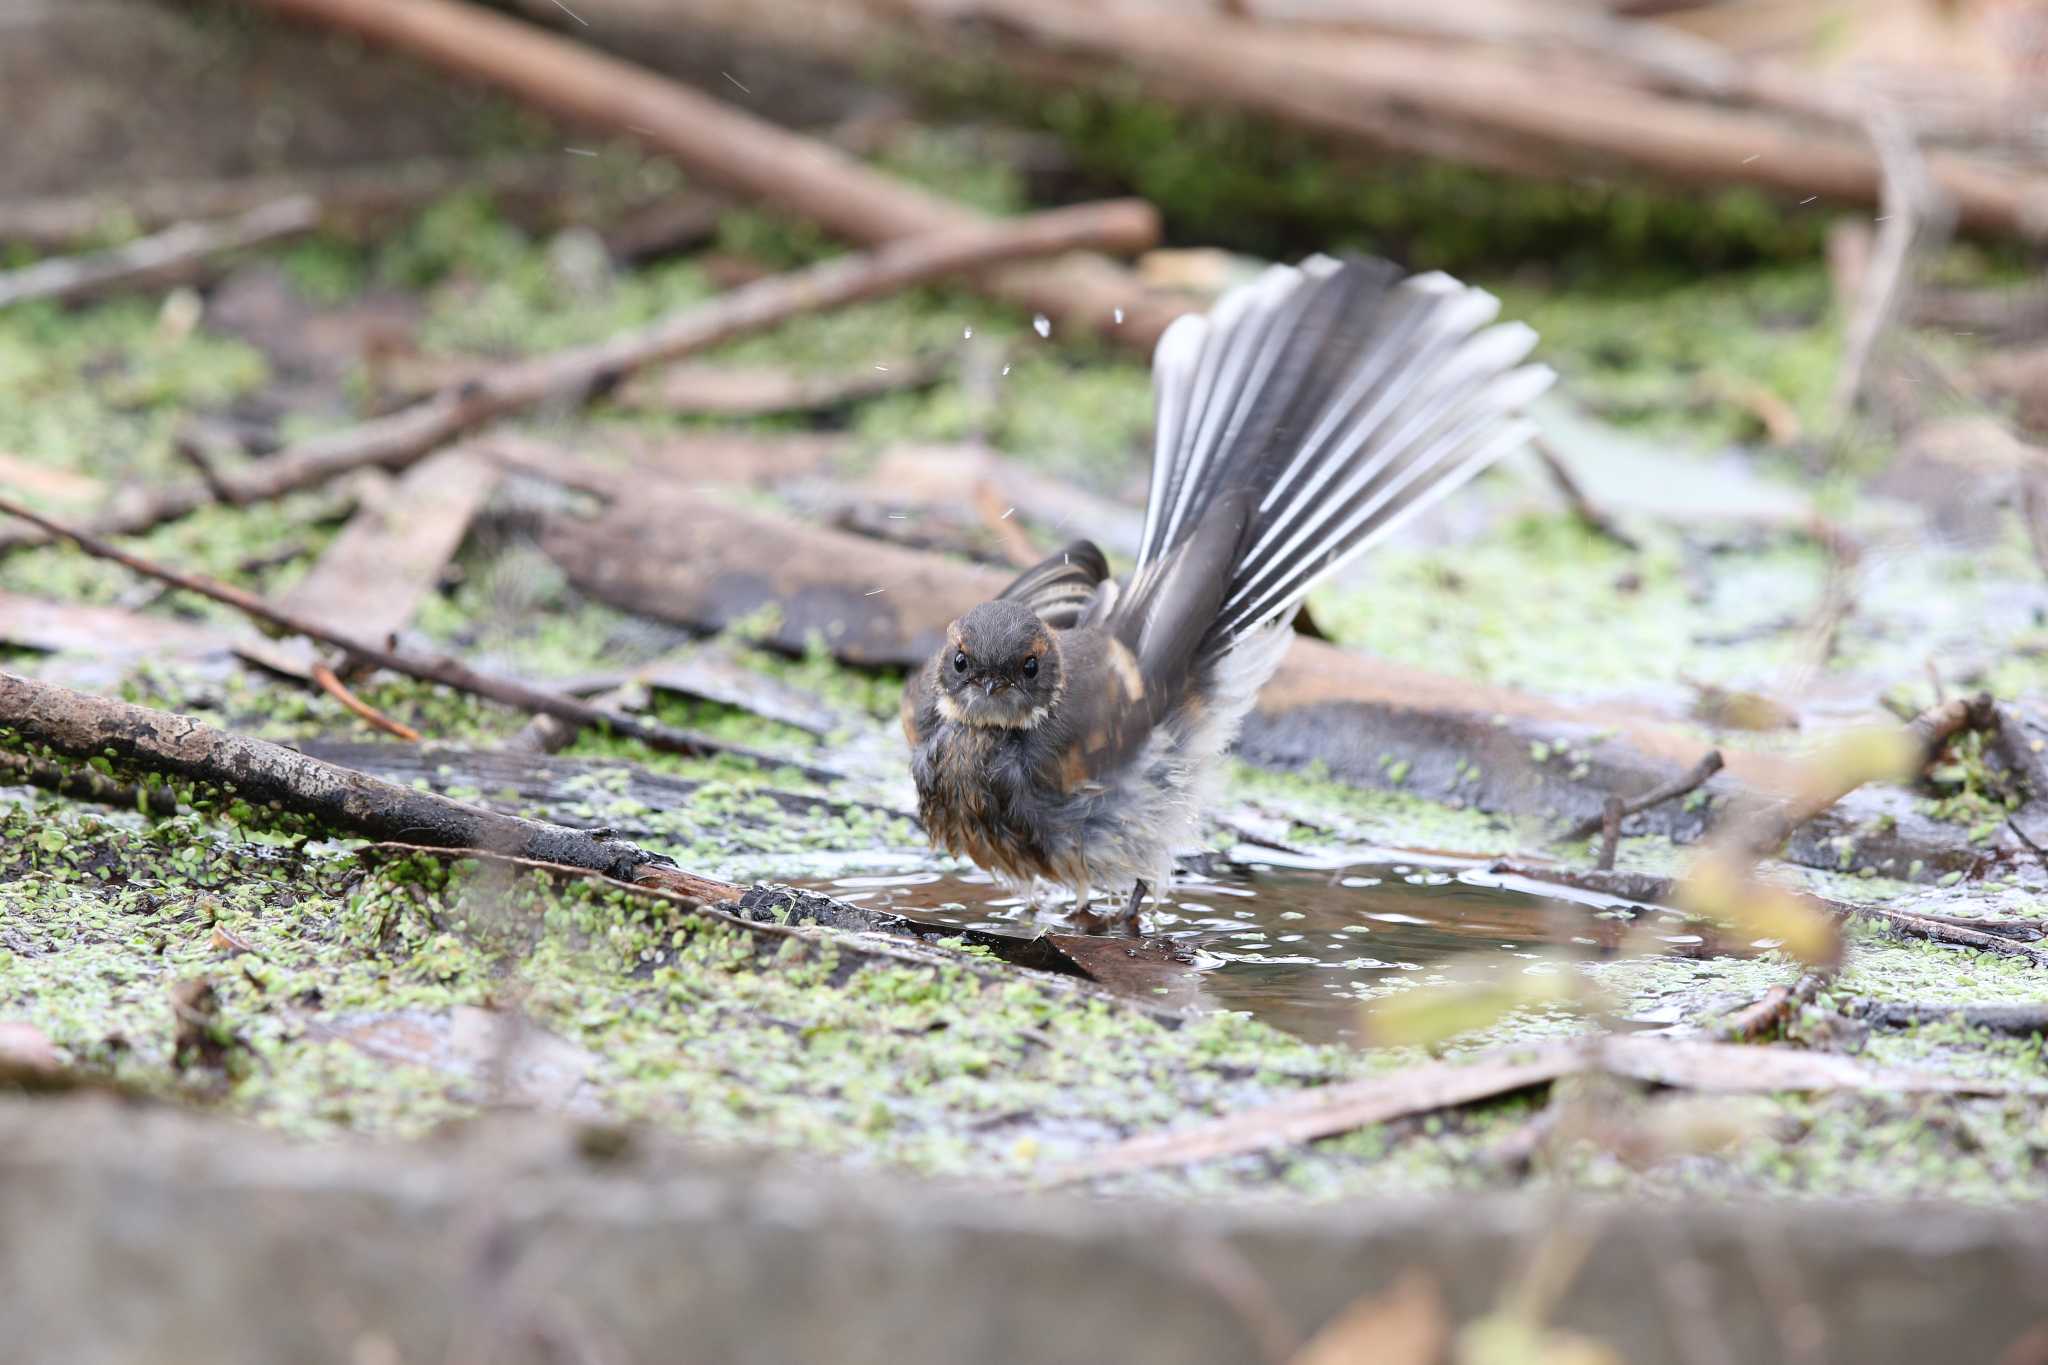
x=1298, y=946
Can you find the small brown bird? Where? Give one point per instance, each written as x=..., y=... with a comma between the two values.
x=1072, y=730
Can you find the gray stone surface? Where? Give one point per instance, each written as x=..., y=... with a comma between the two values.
x=131, y=1234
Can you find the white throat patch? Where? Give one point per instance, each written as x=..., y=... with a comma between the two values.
x=956, y=713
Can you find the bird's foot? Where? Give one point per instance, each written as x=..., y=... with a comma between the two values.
x=1085, y=919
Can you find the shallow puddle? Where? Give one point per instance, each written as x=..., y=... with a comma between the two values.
x=1299, y=946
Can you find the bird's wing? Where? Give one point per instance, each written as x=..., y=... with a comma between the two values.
x=1060, y=587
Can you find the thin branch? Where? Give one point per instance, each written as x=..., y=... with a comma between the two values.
x=1649, y=889
x=1589, y=513
x=404, y=436
x=714, y=140
x=1610, y=832
x=348, y=198
x=1778, y=1004
x=171, y=255
x=84, y=784
x=1684, y=785
x=658, y=879
x=2016, y=1020
x=259, y=772
x=446, y=672
x=1714, y=1068
x=337, y=689
x=193, y=448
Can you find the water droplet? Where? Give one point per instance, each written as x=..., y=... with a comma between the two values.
x=1042, y=325
x=1118, y=314
x=1006, y=369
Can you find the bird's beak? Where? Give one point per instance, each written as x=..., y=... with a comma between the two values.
x=988, y=687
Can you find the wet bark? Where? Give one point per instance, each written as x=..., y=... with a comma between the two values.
x=264, y=774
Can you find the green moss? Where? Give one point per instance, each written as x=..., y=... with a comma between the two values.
x=101, y=390
x=1251, y=183
x=1679, y=358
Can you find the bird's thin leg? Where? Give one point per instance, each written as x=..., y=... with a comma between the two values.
x=1133, y=905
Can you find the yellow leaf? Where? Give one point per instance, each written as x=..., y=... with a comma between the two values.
x=1722, y=889
x=1429, y=1014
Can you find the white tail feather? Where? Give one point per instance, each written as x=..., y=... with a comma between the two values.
x=1344, y=401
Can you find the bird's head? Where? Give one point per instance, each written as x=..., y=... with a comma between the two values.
x=1000, y=668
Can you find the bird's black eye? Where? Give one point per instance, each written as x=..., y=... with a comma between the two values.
x=1031, y=666
x=959, y=662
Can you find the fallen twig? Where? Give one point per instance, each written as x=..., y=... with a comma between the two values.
x=198, y=449
x=1649, y=889
x=1330, y=1110
x=653, y=878
x=723, y=144
x=758, y=391
x=1610, y=832
x=166, y=258
x=348, y=199
x=337, y=689
x=1946, y=930
x=1684, y=785
x=1589, y=513
x=793, y=914
x=85, y=784
x=1488, y=108
x=405, y=436
x=2016, y=1020
x=1778, y=1004
x=1712, y=1067
x=447, y=672
x=259, y=772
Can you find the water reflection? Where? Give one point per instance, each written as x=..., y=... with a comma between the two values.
x=1299, y=946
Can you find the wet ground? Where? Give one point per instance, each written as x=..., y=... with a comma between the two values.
x=374, y=997
x=1301, y=943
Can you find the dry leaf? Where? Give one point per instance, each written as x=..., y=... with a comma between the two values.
x=225, y=940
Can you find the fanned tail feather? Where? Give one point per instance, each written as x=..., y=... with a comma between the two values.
x=1322, y=407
